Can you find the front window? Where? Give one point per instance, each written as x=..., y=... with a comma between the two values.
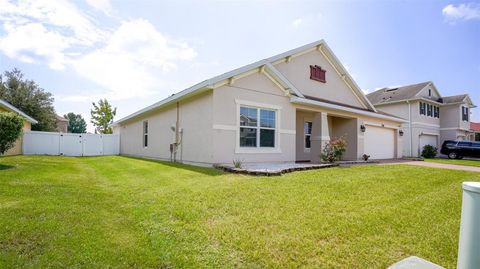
x=465, y=113
x=257, y=127
x=145, y=134
x=307, y=129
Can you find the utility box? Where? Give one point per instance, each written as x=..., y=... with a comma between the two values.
x=469, y=242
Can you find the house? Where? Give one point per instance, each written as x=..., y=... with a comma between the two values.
x=6, y=107
x=475, y=128
x=61, y=124
x=431, y=118
x=281, y=109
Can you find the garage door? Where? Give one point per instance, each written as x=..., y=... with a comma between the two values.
x=427, y=140
x=379, y=142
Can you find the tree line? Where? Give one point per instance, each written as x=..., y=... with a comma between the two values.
x=29, y=97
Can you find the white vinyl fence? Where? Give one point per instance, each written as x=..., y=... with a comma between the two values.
x=46, y=143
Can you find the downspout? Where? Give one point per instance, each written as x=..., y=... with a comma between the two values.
x=410, y=126
x=177, y=124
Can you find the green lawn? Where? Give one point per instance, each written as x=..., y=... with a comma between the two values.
x=459, y=162
x=122, y=212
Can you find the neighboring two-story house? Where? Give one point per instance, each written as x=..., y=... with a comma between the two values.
x=431, y=118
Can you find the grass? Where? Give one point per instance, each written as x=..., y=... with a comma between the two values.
x=122, y=212
x=453, y=161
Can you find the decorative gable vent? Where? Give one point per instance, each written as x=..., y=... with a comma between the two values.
x=317, y=73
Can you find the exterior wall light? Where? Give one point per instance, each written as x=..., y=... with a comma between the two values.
x=400, y=132
x=363, y=128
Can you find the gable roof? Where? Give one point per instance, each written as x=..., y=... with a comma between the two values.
x=265, y=65
x=60, y=118
x=454, y=99
x=10, y=107
x=388, y=95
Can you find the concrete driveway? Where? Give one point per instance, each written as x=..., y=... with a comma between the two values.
x=438, y=165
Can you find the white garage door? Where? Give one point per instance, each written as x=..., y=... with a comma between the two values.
x=379, y=142
x=427, y=140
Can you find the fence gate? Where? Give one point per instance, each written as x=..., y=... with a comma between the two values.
x=47, y=143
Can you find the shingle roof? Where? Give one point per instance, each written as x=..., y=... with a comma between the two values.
x=10, y=107
x=396, y=94
x=454, y=99
x=475, y=126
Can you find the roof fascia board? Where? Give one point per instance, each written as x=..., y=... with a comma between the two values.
x=430, y=83
x=325, y=49
x=298, y=100
x=18, y=111
x=271, y=70
x=411, y=99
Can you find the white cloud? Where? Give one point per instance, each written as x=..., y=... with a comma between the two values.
x=126, y=65
x=462, y=12
x=297, y=22
x=101, y=5
x=128, y=61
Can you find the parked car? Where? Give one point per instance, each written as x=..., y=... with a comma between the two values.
x=459, y=149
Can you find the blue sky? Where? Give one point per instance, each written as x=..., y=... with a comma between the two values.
x=135, y=53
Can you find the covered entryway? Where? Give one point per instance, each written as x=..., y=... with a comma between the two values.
x=379, y=142
x=427, y=139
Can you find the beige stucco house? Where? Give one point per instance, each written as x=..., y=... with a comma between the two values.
x=431, y=118
x=281, y=109
x=6, y=107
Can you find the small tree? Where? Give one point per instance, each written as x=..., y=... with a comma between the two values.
x=102, y=116
x=429, y=151
x=334, y=150
x=10, y=130
x=76, y=123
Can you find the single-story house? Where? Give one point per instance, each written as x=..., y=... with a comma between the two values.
x=281, y=109
x=6, y=107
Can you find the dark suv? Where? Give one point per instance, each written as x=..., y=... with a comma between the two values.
x=459, y=149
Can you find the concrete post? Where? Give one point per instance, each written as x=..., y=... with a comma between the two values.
x=469, y=242
x=319, y=136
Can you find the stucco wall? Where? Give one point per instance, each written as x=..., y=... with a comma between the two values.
x=195, y=120
x=335, y=89
x=259, y=91
x=346, y=128
x=17, y=149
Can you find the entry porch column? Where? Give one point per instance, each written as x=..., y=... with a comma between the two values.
x=320, y=136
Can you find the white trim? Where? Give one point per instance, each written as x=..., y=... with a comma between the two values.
x=427, y=133
x=225, y=127
x=286, y=131
x=257, y=105
x=426, y=124
x=298, y=100
x=258, y=149
x=10, y=107
x=272, y=71
x=376, y=124
x=456, y=128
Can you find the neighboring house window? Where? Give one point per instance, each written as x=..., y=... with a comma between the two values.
x=145, y=134
x=422, y=108
x=307, y=129
x=429, y=110
x=257, y=127
x=436, y=112
x=465, y=113
x=317, y=73
x=429, y=92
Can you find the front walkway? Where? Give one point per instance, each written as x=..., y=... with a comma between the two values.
x=439, y=165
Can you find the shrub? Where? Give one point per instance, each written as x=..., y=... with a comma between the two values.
x=429, y=151
x=365, y=157
x=237, y=163
x=10, y=130
x=334, y=149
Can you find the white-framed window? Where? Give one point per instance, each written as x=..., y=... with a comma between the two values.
x=258, y=127
x=307, y=131
x=145, y=134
